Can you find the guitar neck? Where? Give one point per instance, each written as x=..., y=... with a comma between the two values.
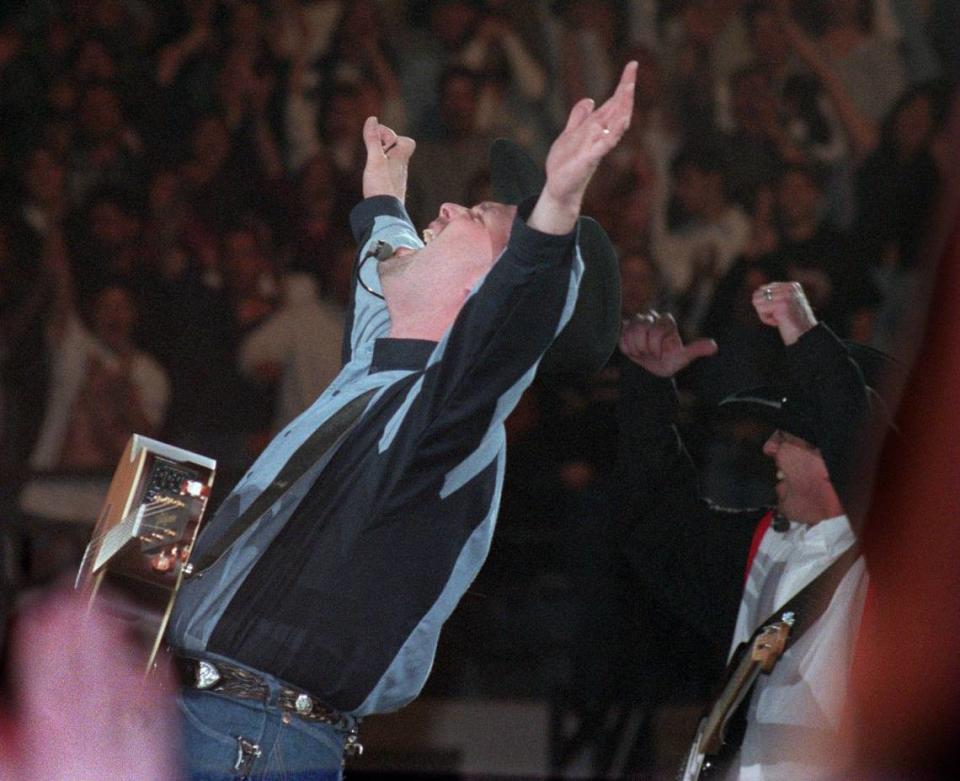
x=738, y=685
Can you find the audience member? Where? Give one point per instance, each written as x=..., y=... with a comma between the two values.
x=713, y=232
x=513, y=82
x=360, y=50
x=316, y=224
x=225, y=177
x=430, y=48
x=692, y=40
x=340, y=121
x=106, y=240
x=193, y=334
x=870, y=67
x=250, y=285
x=102, y=387
x=834, y=271
x=298, y=346
x=760, y=145
x=109, y=151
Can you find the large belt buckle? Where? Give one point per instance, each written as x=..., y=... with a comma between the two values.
x=207, y=675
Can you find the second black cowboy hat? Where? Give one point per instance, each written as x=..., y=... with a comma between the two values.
x=587, y=341
x=792, y=410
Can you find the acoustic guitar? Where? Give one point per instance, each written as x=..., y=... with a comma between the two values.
x=143, y=536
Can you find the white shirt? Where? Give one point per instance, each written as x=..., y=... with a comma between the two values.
x=795, y=711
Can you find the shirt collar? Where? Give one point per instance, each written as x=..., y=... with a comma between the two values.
x=829, y=535
x=409, y=354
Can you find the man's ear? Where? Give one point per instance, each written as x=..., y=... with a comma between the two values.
x=402, y=252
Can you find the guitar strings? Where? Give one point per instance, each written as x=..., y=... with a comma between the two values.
x=151, y=509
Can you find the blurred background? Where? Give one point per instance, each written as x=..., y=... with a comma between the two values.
x=175, y=257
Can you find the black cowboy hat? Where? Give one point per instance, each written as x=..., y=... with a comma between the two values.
x=588, y=340
x=792, y=410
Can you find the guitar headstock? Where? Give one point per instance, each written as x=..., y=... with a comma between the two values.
x=769, y=644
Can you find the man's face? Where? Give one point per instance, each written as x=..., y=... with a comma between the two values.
x=114, y=316
x=461, y=246
x=804, y=491
x=486, y=225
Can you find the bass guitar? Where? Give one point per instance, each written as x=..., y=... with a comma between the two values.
x=712, y=745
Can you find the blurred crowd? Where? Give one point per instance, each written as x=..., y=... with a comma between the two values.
x=175, y=255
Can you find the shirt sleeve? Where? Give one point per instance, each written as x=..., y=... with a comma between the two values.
x=819, y=364
x=507, y=323
x=380, y=218
x=689, y=556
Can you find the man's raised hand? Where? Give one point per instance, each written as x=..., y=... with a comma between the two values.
x=388, y=157
x=590, y=133
x=784, y=306
x=653, y=341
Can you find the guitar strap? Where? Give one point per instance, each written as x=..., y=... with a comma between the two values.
x=318, y=443
x=808, y=604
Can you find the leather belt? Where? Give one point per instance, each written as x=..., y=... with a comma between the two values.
x=244, y=684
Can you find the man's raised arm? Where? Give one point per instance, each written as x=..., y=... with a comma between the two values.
x=590, y=133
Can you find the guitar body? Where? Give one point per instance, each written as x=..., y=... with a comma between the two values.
x=144, y=534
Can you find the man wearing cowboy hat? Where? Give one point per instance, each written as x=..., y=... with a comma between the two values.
x=692, y=556
x=322, y=582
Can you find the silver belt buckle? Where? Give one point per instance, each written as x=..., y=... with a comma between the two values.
x=207, y=675
x=303, y=704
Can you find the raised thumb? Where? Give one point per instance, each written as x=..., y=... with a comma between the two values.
x=701, y=348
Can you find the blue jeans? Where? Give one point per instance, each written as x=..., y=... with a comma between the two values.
x=274, y=750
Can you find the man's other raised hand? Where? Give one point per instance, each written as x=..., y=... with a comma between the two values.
x=784, y=306
x=388, y=158
x=590, y=133
x=653, y=341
